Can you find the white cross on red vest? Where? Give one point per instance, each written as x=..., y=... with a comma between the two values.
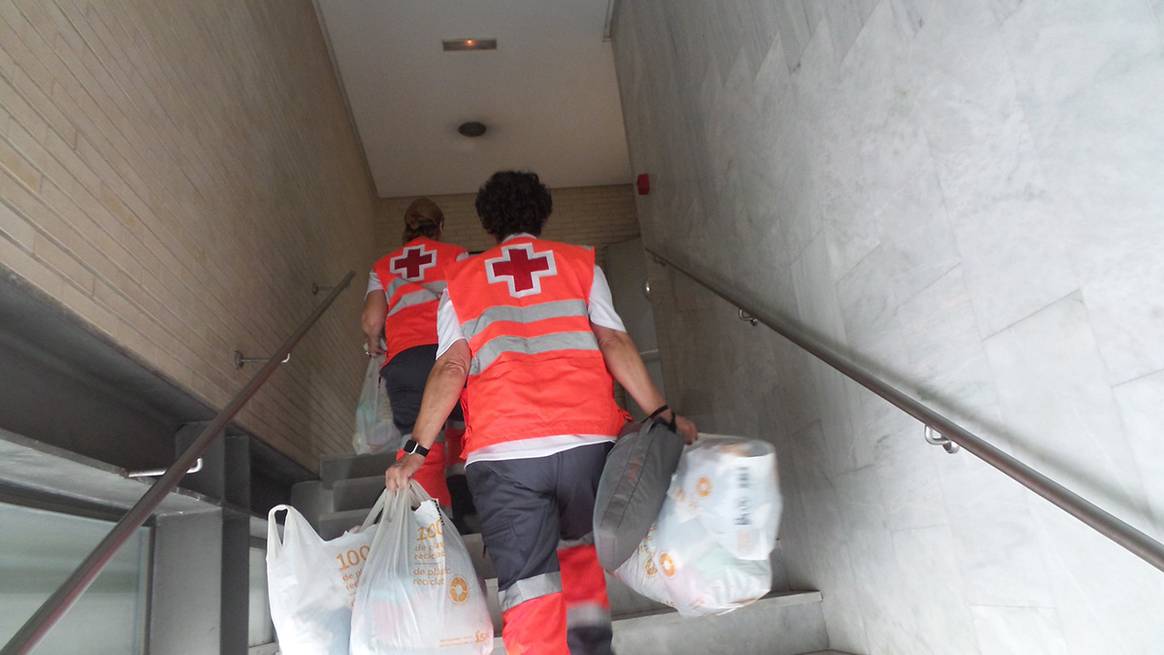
x=521, y=269
x=412, y=264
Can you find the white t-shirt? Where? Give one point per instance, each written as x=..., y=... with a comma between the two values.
x=601, y=312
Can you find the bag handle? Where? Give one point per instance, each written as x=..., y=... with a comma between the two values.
x=653, y=418
x=274, y=543
x=377, y=510
x=418, y=493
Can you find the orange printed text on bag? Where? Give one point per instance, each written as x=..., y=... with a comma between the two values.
x=536, y=369
x=413, y=278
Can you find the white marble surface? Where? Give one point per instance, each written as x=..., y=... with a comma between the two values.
x=966, y=196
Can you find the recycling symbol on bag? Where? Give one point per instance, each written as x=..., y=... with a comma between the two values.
x=459, y=590
x=703, y=487
x=667, y=565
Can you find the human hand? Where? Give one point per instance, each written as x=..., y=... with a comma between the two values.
x=374, y=349
x=397, y=476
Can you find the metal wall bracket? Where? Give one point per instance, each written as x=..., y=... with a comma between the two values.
x=241, y=360
x=153, y=473
x=647, y=288
x=745, y=316
x=935, y=438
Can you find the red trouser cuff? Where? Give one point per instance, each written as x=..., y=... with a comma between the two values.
x=536, y=627
x=583, y=582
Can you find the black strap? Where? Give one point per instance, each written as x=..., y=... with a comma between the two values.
x=655, y=415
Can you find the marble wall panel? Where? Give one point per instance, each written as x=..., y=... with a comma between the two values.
x=965, y=197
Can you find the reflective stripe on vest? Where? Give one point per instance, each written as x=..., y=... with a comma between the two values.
x=411, y=300
x=487, y=354
x=529, y=314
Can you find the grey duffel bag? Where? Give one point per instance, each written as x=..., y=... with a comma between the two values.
x=632, y=489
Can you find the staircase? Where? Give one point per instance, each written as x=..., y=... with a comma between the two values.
x=783, y=623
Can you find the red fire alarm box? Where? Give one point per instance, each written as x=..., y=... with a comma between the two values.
x=643, y=183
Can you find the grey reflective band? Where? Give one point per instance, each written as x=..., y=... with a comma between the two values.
x=394, y=286
x=529, y=589
x=527, y=314
x=436, y=287
x=412, y=299
x=585, y=540
x=545, y=343
x=587, y=615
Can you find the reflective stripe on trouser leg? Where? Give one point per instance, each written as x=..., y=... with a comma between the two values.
x=533, y=621
x=588, y=629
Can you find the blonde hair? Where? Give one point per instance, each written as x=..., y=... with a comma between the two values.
x=423, y=218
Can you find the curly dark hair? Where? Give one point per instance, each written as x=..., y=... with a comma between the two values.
x=511, y=202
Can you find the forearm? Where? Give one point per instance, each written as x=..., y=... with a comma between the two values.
x=442, y=392
x=627, y=367
x=372, y=320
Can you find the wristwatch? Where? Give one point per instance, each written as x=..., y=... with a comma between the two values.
x=412, y=448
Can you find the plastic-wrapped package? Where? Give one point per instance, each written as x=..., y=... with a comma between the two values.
x=708, y=552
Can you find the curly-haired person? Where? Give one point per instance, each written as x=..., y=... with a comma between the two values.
x=528, y=331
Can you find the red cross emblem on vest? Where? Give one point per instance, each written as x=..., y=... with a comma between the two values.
x=412, y=264
x=521, y=268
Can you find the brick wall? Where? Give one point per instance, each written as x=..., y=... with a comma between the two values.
x=178, y=174
x=585, y=215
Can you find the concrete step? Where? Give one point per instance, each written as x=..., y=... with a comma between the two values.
x=343, y=467
x=355, y=493
x=333, y=524
x=788, y=623
x=312, y=501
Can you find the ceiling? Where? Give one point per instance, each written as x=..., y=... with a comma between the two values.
x=548, y=94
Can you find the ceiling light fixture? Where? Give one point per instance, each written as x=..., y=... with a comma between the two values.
x=471, y=129
x=463, y=45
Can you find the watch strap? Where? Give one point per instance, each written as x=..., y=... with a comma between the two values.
x=411, y=447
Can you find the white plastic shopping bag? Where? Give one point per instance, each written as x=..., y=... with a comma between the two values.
x=312, y=583
x=375, y=431
x=419, y=593
x=708, y=552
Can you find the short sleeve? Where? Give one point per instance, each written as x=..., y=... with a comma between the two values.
x=601, y=306
x=448, y=325
x=373, y=284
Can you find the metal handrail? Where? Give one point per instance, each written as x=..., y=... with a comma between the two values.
x=55, y=606
x=1140, y=544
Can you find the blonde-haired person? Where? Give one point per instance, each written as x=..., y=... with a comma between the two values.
x=400, y=308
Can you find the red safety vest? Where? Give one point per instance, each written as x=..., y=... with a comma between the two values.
x=413, y=278
x=536, y=369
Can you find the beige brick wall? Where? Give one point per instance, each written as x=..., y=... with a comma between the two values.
x=592, y=216
x=178, y=174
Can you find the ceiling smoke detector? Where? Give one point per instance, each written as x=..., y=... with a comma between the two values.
x=462, y=45
x=471, y=129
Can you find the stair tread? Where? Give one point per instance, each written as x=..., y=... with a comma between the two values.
x=345, y=467
x=353, y=493
x=666, y=616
